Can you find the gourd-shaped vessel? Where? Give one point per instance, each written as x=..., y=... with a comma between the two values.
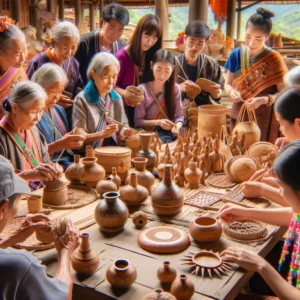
x=73, y=171
x=167, y=198
x=122, y=171
x=111, y=213
x=91, y=173
x=115, y=177
x=193, y=175
x=158, y=294
x=146, y=138
x=166, y=273
x=106, y=185
x=85, y=260
x=183, y=288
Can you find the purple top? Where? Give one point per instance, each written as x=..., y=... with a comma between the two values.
x=148, y=108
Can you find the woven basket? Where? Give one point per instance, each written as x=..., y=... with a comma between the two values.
x=133, y=95
x=263, y=152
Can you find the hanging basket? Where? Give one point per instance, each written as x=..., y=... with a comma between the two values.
x=247, y=123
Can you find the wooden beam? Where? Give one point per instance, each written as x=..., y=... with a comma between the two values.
x=77, y=6
x=16, y=12
x=61, y=10
x=239, y=21
x=92, y=17
x=101, y=7
x=161, y=11
x=231, y=19
x=198, y=10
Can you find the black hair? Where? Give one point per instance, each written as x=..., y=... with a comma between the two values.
x=117, y=12
x=198, y=29
x=287, y=165
x=287, y=105
x=262, y=19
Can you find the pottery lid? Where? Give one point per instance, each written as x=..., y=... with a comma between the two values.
x=113, y=150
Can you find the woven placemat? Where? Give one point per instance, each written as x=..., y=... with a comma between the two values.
x=220, y=180
x=78, y=196
x=202, y=199
x=235, y=195
x=31, y=243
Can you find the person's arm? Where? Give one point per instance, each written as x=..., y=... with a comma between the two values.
x=233, y=94
x=67, y=141
x=108, y=131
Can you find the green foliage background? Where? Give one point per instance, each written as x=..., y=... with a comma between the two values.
x=286, y=20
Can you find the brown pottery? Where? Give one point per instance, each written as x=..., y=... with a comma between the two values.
x=121, y=274
x=158, y=294
x=106, y=185
x=122, y=171
x=73, y=171
x=139, y=219
x=146, y=139
x=205, y=229
x=111, y=213
x=183, y=288
x=166, y=273
x=91, y=173
x=44, y=234
x=193, y=175
x=115, y=177
x=85, y=260
x=55, y=192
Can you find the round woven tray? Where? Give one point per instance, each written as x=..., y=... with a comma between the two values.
x=77, y=197
x=220, y=180
x=32, y=243
x=263, y=152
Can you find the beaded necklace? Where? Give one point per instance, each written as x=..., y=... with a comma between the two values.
x=292, y=242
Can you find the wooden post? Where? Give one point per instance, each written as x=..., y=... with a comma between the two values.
x=61, y=10
x=34, y=18
x=231, y=19
x=77, y=5
x=239, y=21
x=161, y=11
x=198, y=10
x=16, y=11
x=92, y=17
x=50, y=5
x=101, y=6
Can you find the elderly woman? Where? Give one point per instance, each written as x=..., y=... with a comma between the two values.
x=98, y=105
x=65, y=41
x=54, y=124
x=20, y=140
x=13, y=52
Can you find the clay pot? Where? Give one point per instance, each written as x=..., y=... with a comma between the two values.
x=133, y=95
x=146, y=139
x=91, y=173
x=183, y=288
x=205, y=229
x=34, y=203
x=89, y=151
x=139, y=219
x=44, y=234
x=133, y=141
x=106, y=185
x=158, y=294
x=166, y=273
x=85, y=260
x=193, y=175
x=133, y=194
x=167, y=198
x=55, y=192
x=121, y=274
x=122, y=171
x=145, y=178
x=73, y=171
x=111, y=213
x=115, y=177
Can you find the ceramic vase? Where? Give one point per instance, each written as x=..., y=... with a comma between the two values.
x=139, y=219
x=133, y=194
x=121, y=274
x=91, y=173
x=205, y=229
x=85, y=260
x=146, y=138
x=111, y=213
x=159, y=294
x=106, y=185
x=73, y=171
x=122, y=171
x=166, y=273
x=167, y=198
x=115, y=177
x=145, y=178
x=55, y=192
x=193, y=175
x=183, y=288
x=89, y=151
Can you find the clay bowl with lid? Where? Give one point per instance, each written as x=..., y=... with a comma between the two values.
x=133, y=95
x=205, y=229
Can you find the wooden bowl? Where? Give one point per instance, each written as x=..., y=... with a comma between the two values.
x=133, y=95
x=205, y=229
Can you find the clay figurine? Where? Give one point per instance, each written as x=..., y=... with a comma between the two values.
x=217, y=158
x=234, y=148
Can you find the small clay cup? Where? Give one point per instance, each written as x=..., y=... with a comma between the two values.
x=205, y=229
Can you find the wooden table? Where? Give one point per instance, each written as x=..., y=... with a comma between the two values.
x=124, y=245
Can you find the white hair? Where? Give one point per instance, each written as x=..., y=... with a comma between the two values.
x=48, y=74
x=100, y=61
x=65, y=29
x=292, y=78
x=8, y=36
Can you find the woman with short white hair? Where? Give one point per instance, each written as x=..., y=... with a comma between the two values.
x=20, y=140
x=98, y=104
x=292, y=78
x=54, y=124
x=65, y=41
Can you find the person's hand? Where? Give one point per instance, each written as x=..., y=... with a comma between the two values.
x=235, y=96
x=186, y=86
x=230, y=213
x=257, y=102
x=166, y=124
x=73, y=141
x=126, y=133
x=214, y=90
x=43, y=172
x=109, y=130
x=174, y=130
x=267, y=178
x=252, y=189
x=245, y=258
x=280, y=142
x=65, y=101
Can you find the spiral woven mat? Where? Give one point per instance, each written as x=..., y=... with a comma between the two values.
x=202, y=199
x=220, y=180
x=31, y=243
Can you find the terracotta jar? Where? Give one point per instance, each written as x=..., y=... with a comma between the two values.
x=145, y=178
x=183, y=288
x=91, y=173
x=85, y=260
x=115, y=177
x=193, y=175
x=146, y=139
x=73, y=171
x=158, y=294
x=166, y=273
x=139, y=219
x=106, y=185
x=55, y=192
x=133, y=193
x=122, y=171
x=89, y=151
x=167, y=198
x=121, y=274
x=205, y=229
x=45, y=235
x=111, y=213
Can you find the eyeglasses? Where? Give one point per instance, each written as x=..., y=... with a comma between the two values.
x=32, y=113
